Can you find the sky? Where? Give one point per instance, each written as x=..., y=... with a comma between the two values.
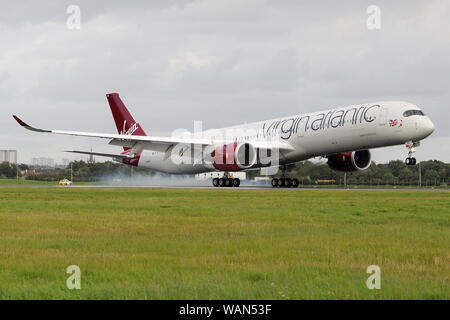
x=219, y=62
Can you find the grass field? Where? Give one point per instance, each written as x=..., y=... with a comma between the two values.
x=231, y=244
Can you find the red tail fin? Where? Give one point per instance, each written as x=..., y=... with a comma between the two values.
x=125, y=122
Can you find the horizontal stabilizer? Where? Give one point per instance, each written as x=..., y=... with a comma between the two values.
x=109, y=155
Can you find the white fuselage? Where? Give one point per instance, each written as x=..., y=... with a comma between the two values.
x=351, y=128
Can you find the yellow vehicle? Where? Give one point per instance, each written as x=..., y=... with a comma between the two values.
x=65, y=182
x=323, y=181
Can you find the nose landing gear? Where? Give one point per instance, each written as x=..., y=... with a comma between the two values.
x=226, y=181
x=410, y=160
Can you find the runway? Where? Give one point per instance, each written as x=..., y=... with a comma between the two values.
x=205, y=187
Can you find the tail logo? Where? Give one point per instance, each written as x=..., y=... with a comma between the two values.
x=132, y=129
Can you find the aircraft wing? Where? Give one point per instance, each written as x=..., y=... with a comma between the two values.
x=154, y=143
x=141, y=142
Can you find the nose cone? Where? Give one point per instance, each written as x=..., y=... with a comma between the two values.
x=427, y=127
x=430, y=126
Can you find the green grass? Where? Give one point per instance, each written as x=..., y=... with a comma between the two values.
x=230, y=244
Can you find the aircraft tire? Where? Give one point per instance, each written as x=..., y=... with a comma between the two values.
x=287, y=183
x=274, y=182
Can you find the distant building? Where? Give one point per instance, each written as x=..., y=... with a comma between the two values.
x=8, y=156
x=43, y=162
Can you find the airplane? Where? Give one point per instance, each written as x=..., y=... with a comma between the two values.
x=343, y=135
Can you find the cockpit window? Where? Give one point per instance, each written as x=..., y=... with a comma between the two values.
x=409, y=113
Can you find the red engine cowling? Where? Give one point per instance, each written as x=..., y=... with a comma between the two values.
x=235, y=156
x=350, y=161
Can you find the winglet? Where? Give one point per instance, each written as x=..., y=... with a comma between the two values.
x=26, y=126
x=23, y=124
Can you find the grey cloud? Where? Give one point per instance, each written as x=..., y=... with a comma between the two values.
x=222, y=62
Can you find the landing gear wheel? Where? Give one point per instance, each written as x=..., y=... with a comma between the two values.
x=410, y=161
x=222, y=182
x=215, y=182
x=281, y=182
x=228, y=182
x=236, y=182
x=274, y=182
x=295, y=183
x=287, y=183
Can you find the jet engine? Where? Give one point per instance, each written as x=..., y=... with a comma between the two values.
x=350, y=161
x=235, y=156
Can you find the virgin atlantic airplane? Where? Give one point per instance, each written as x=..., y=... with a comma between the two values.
x=343, y=135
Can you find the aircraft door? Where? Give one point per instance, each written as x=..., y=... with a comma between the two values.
x=383, y=116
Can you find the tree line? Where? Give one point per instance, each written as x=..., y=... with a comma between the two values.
x=432, y=173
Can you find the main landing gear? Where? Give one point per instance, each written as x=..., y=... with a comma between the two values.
x=226, y=181
x=284, y=182
x=411, y=161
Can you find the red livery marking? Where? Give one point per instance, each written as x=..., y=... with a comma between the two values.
x=393, y=123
